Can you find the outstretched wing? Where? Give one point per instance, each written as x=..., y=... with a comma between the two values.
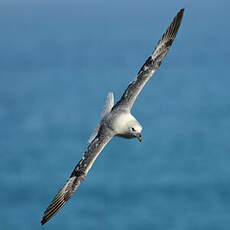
x=78, y=175
x=151, y=65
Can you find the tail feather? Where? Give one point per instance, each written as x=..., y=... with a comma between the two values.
x=108, y=106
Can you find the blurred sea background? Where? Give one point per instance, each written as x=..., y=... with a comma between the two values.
x=58, y=61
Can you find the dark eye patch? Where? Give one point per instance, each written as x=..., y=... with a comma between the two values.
x=133, y=129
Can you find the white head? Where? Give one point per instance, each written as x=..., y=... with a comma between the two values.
x=134, y=129
x=127, y=126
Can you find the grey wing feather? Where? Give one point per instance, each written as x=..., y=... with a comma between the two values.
x=151, y=65
x=78, y=175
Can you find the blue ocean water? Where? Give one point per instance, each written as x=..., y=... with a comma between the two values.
x=58, y=61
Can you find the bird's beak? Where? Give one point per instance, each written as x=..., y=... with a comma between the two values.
x=139, y=137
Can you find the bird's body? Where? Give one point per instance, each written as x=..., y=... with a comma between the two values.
x=116, y=120
x=123, y=124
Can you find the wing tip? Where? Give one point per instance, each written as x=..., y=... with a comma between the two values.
x=180, y=14
x=174, y=26
x=46, y=218
x=43, y=221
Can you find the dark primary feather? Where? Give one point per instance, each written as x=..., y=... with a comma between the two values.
x=78, y=175
x=152, y=64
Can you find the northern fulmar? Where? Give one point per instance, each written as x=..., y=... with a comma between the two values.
x=116, y=120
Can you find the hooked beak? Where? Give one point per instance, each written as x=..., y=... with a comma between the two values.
x=139, y=137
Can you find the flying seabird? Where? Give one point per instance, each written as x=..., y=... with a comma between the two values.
x=116, y=120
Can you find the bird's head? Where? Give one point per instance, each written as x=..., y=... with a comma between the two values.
x=135, y=129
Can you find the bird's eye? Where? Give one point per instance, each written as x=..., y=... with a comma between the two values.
x=133, y=129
